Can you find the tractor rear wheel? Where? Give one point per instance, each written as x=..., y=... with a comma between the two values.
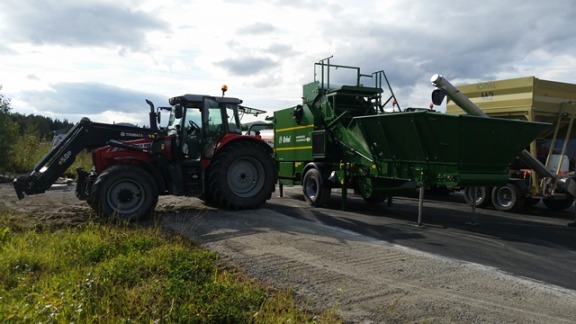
x=482, y=196
x=316, y=192
x=241, y=176
x=507, y=198
x=124, y=192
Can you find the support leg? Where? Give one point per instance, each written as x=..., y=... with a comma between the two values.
x=344, y=203
x=420, y=205
x=474, y=197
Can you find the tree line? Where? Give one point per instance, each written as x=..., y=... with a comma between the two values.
x=21, y=135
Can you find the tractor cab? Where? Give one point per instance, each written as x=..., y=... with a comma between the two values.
x=200, y=120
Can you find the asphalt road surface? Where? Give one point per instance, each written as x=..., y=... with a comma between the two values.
x=536, y=244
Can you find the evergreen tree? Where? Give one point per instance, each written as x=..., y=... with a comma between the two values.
x=18, y=131
x=8, y=132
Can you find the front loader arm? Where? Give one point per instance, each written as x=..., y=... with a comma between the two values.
x=84, y=135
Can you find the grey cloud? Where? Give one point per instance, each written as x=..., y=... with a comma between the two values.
x=301, y=4
x=281, y=50
x=257, y=29
x=5, y=49
x=32, y=77
x=83, y=99
x=463, y=39
x=309, y=4
x=77, y=23
x=278, y=50
x=247, y=65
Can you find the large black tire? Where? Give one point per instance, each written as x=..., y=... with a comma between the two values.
x=316, y=191
x=124, y=192
x=507, y=198
x=483, y=198
x=558, y=204
x=241, y=176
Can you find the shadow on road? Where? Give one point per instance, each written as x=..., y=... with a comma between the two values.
x=537, y=244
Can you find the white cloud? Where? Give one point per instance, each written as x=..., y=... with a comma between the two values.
x=102, y=58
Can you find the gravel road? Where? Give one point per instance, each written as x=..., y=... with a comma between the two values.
x=371, y=281
x=365, y=280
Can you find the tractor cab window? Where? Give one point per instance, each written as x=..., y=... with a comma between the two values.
x=221, y=118
x=215, y=122
x=191, y=131
x=234, y=125
x=192, y=122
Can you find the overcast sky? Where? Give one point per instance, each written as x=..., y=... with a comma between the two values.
x=68, y=59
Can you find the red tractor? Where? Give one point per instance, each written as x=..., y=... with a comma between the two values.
x=202, y=153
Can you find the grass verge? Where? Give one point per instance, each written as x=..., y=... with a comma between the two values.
x=111, y=273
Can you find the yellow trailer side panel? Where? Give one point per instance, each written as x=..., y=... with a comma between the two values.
x=526, y=98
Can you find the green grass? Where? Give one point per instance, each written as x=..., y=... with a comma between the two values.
x=122, y=274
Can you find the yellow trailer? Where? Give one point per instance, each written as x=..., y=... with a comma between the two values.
x=531, y=99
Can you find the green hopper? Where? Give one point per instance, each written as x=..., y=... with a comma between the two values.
x=341, y=137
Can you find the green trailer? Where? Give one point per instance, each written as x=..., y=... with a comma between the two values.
x=341, y=136
x=529, y=99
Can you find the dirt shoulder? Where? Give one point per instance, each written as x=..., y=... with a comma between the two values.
x=366, y=280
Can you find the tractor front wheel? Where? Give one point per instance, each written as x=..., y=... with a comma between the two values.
x=124, y=192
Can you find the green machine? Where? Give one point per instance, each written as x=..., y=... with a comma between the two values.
x=549, y=162
x=342, y=136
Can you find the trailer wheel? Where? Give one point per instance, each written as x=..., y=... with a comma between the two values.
x=558, y=204
x=316, y=192
x=483, y=198
x=241, y=176
x=124, y=192
x=507, y=198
